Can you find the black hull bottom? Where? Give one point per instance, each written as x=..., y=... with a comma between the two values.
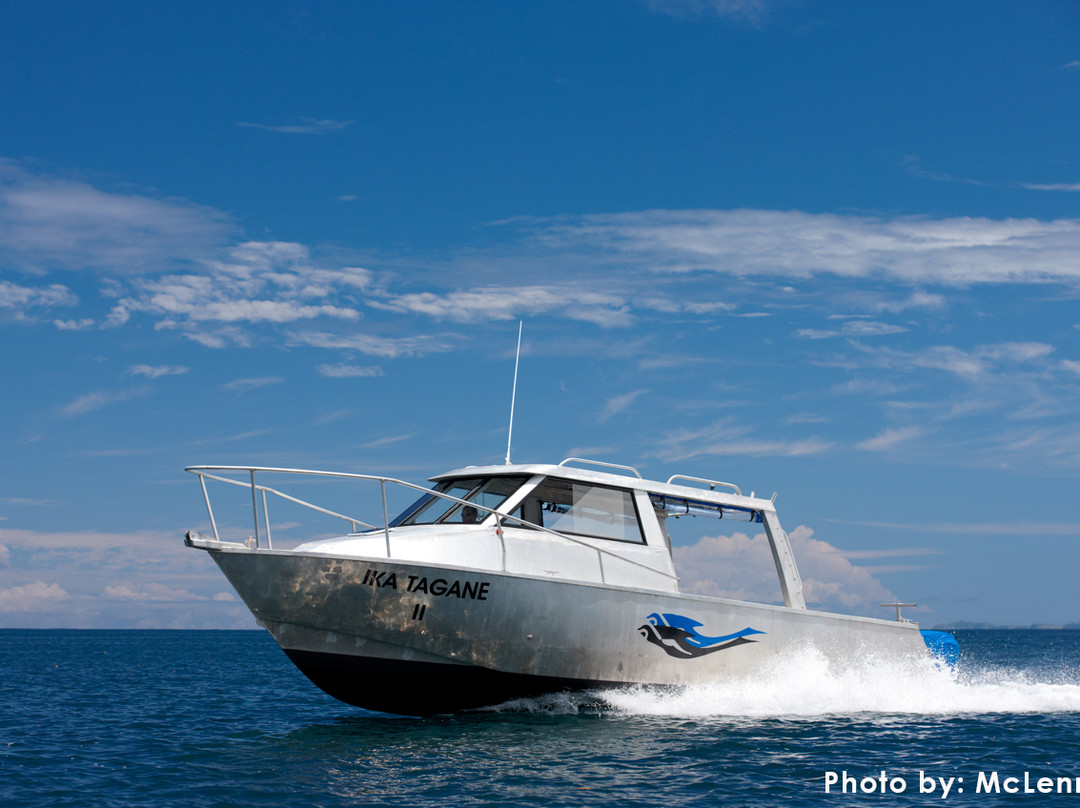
x=424, y=688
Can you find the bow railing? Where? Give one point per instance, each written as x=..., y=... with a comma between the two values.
x=259, y=495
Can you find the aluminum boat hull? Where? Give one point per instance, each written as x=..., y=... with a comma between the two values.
x=418, y=639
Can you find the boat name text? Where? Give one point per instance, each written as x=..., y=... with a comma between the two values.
x=440, y=587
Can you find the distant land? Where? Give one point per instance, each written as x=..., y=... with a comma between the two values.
x=968, y=625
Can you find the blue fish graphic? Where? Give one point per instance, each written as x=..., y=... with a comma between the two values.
x=678, y=635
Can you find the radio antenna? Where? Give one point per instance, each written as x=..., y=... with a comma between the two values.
x=513, y=394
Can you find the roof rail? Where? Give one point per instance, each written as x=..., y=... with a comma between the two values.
x=602, y=463
x=711, y=483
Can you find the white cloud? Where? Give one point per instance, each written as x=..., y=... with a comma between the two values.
x=255, y=282
x=667, y=305
x=343, y=371
x=389, y=439
x=14, y=296
x=74, y=325
x=707, y=307
x=33, y=503
x=852, y=328
x=742, y=567
x=32, y=597
x=897, y=552
x=1009, y=529
x=735, y=566
x=64, y=576
x=1068, y=187
x=243, y=385
x=202, y=298
x=330, y=417
x=969, y=364
x=148, y=591
x=289, y=266
x=512, y=302
x=176, y=263
x=387, y=347
x=890, y=438
x=1016, y=351
x=49, y=223
x=253, y=433
x=805, y=418
x=619, y=403
x=1049, y=445
x=88, y=402
x=751, y=11
x=157, y=371
x=867, y=387
x=914, y=167
x=726, y=437
x=916, y=300
x=310, y=126
x=945, y=252
x=84, y=543
x=668, y=361
x=590, y=451
x=219, y=337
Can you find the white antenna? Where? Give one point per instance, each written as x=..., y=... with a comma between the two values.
x=513, y=394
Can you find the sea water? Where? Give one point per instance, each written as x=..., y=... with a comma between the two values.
x=125, y=718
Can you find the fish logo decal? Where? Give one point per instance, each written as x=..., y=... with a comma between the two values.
x=678, y=635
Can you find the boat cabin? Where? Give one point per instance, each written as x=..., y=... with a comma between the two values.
x=604, y=524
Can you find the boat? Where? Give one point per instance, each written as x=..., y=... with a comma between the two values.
x=510, y=581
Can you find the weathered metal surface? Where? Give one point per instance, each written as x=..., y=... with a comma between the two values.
x=526, y=625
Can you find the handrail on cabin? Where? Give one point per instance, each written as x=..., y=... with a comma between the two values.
x=201, y=472
x=711, y=483
x=602, y=463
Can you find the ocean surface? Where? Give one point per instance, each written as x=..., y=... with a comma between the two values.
x=123, y=718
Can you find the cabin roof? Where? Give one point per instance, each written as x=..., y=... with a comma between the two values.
x=696, y=491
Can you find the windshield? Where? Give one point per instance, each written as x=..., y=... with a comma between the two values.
x=487, y=492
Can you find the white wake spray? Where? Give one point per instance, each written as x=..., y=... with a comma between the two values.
x=806, y=683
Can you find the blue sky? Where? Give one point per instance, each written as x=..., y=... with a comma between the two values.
x=825, y=249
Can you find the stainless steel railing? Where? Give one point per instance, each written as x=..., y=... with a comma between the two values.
x=259, y=492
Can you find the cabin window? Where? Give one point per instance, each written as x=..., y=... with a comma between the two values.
x=487, y=492
x=582, y=509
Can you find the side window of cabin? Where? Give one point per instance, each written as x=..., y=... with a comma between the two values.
x=583, y=509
